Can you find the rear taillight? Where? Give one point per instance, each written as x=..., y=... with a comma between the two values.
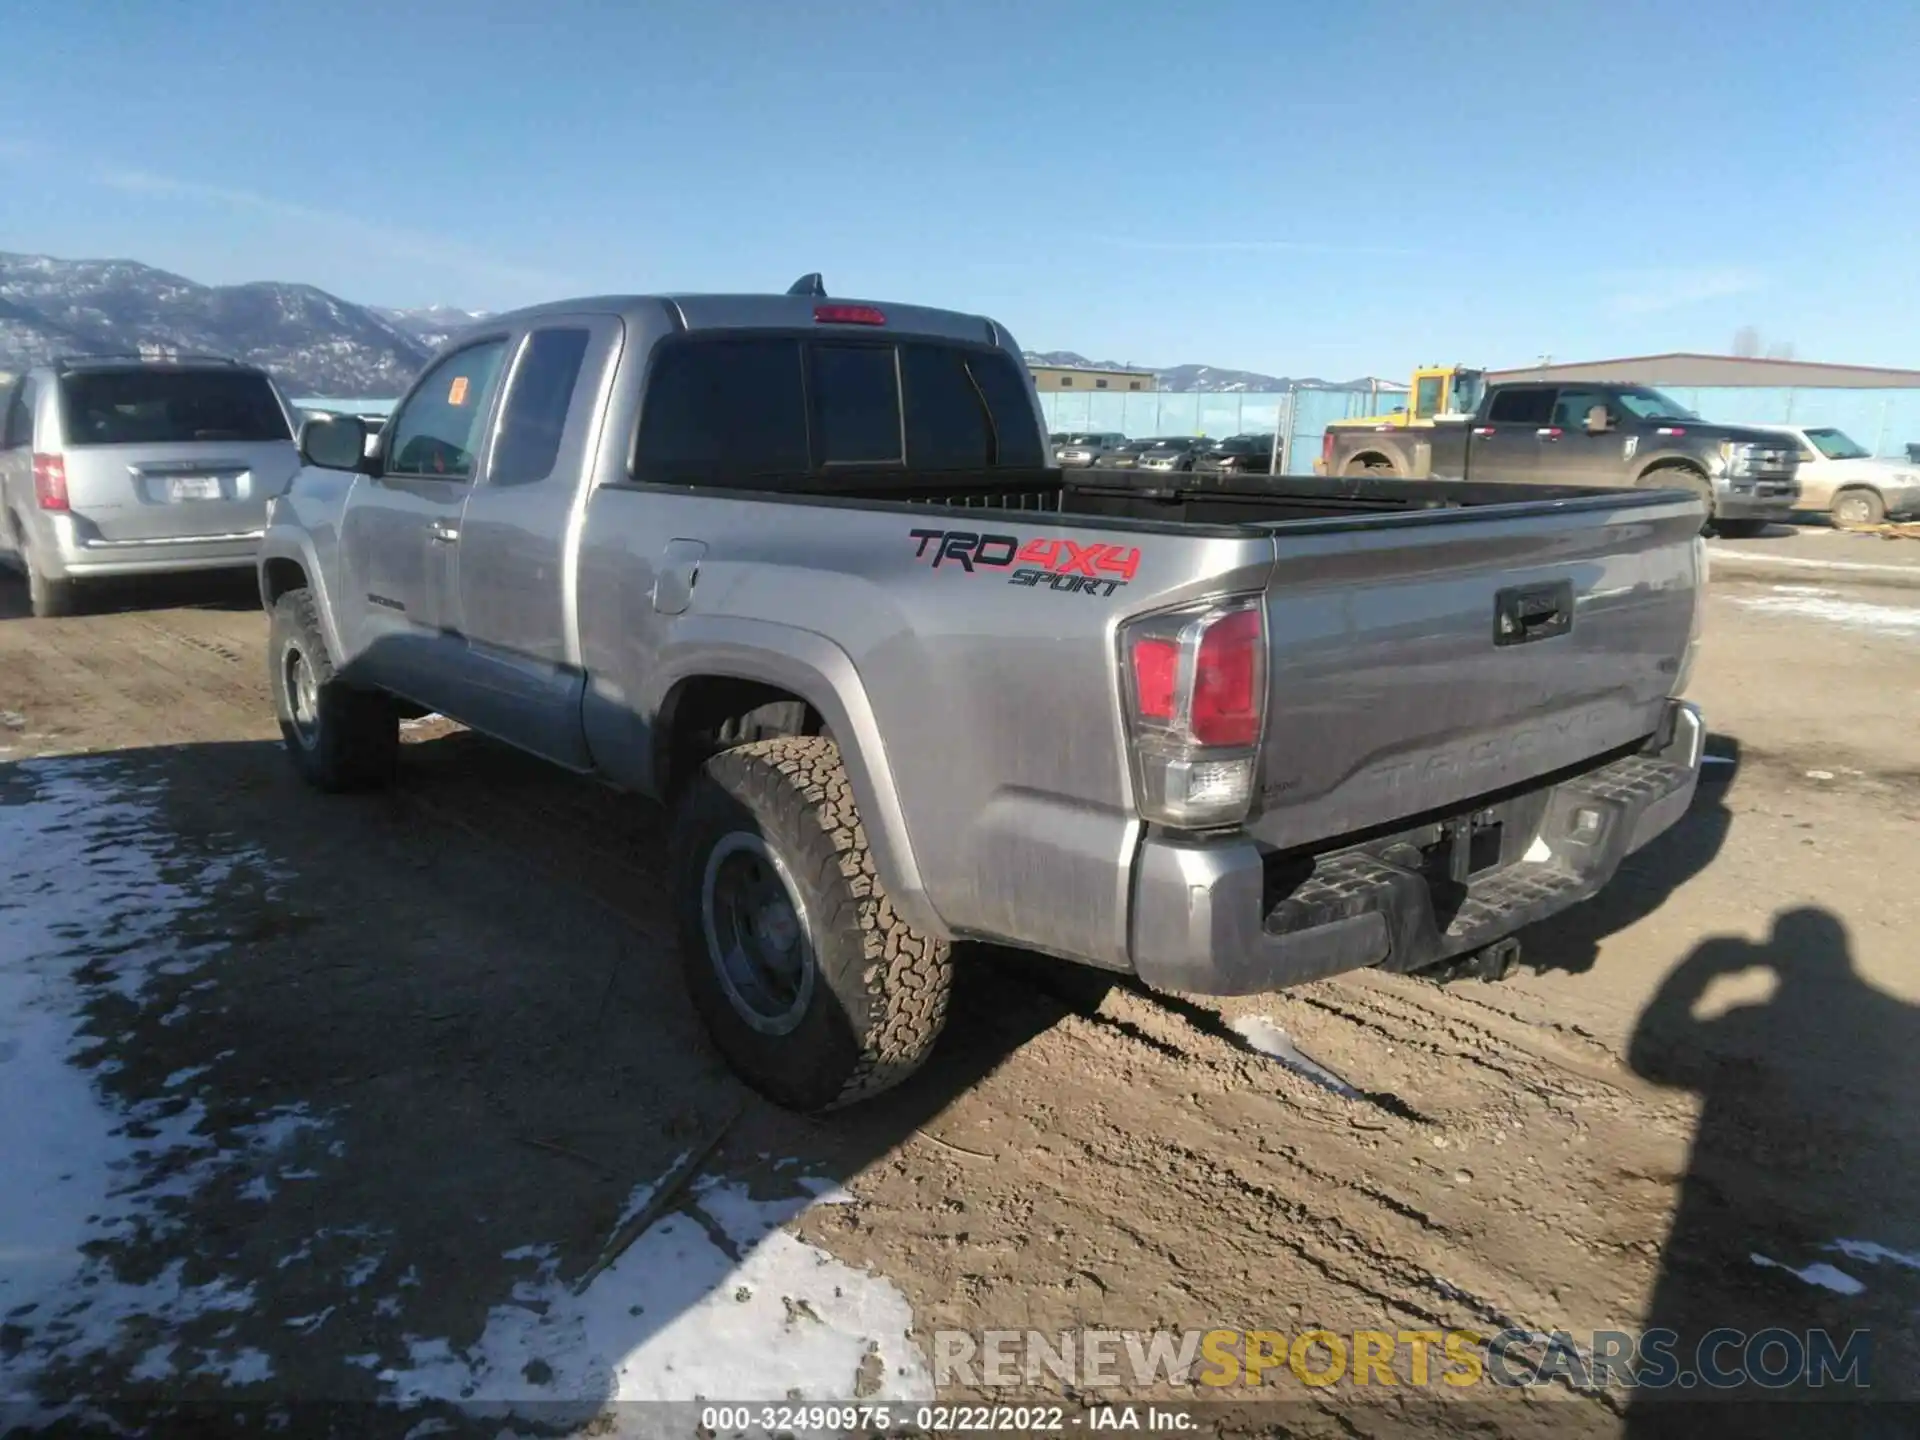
x=848, y=315
x=1326, y=447
x=50, y=481
x=1195, y=684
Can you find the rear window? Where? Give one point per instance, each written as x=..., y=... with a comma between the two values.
x=785, y=405
x=856, y=404
x=154, y=406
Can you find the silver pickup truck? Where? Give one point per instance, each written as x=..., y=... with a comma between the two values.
x=798, y=568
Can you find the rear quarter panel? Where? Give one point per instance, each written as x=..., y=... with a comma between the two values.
x=979, y=711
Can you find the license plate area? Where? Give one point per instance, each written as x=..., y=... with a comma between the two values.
x=194, y=487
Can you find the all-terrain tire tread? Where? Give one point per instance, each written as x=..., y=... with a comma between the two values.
x=360, y=739
x=907, y=977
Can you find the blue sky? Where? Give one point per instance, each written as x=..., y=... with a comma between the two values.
x=1333, y=189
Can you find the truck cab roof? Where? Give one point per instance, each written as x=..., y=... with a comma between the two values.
x=698, y=312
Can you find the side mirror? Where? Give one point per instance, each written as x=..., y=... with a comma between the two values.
x=1597, y=421
x=334, y=442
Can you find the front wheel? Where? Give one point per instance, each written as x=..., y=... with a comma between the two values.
x=1858, y=509
x=338, y=737
x=1681, y=477
x=814, y=990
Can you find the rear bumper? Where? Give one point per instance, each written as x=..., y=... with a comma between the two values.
x=75, y=555
x=1223, y=918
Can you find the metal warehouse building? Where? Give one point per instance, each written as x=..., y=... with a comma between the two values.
x=1714, y=371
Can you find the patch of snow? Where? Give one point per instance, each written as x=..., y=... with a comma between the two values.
x=1871, y=1252
x=84, y=912
x=1819, y=1273
x=1270, y=1040
x=677, y=1317
x=1898, y=621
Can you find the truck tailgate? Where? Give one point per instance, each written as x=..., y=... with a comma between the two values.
x=1420, y=661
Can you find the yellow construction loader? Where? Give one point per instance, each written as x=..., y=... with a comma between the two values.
x=1436, y=390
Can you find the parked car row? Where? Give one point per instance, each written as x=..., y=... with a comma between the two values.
x=1106, y=450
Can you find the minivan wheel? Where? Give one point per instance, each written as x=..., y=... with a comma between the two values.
x=47, y=597
x=338, y=737
x=814, y=990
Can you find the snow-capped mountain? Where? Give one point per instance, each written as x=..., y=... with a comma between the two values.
x=1185, y=378
x=430, y=325
x=312, y=342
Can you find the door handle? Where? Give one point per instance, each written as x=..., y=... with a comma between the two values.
x=443, y=533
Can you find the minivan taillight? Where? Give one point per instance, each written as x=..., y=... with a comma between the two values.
x=1195, y=690
x=50, y=481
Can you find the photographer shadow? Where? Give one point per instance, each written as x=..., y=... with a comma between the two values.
x=1795, y=1210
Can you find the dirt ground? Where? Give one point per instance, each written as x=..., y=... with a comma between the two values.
x=456, y=1009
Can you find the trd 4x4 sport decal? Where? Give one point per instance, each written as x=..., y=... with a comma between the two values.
x=1064, y=565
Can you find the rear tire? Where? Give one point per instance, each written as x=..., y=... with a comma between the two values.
x=1858, y=508
x=1377, y=469
x=47, y=597
x=338, y=737
x=814, y=990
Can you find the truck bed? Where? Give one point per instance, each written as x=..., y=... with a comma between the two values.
x=1237, y=503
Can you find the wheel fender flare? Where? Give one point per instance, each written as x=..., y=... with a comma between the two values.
x=811, y=666
x=287, y=542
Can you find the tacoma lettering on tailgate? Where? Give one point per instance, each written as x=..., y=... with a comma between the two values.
x=1049, y=564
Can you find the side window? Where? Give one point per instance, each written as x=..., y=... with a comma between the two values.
x=1010, y=404
x=534, y=415
x=856, y=404
x=1522, y=407
x=1426, y=399
x=733, y=406
x=947, y=425
x=18, y=429
x=1570, y=410
x=438, y=431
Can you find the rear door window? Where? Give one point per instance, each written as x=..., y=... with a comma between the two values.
x=163, y=406
x=1522, y=407
x=534, y=416
x=856, y=404
x=18, y=429
x=732, y=406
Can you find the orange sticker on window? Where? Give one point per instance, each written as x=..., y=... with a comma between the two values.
x=457, y=395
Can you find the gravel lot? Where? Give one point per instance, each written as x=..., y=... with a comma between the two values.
x=336, y=1099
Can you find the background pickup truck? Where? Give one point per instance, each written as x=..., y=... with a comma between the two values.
x=794, y=566
x=1586, y=434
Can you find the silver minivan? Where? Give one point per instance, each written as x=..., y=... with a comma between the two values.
x=124, y=465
